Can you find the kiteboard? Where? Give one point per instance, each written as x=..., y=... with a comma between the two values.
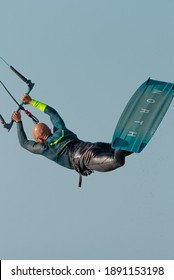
x=142, y=115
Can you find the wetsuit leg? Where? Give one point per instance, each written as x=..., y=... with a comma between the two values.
x=101, y=157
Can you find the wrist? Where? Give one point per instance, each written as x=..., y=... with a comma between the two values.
x=39, y=105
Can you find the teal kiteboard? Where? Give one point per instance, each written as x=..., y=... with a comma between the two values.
x=142, y=115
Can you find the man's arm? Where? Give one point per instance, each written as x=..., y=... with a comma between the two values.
x=32, y=146
x=59, y=129
x=55, y=118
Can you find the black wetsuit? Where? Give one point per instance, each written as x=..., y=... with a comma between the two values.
x=64, y=147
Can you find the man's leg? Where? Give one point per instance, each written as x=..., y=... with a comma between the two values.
x=105, y=159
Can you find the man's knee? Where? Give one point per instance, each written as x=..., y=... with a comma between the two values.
x=119, y=158
x=120, y=163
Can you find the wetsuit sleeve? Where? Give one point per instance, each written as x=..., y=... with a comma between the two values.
x=32, y=146
x=55, y=118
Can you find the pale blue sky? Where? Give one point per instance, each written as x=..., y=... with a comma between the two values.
x=87, y=58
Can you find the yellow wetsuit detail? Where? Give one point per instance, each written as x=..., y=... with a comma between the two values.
x=39, y=105
x=57, y=140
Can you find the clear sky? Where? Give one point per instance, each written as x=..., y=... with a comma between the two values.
x=87, y=58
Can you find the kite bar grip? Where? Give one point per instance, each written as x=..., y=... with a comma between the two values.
x=22, y=103
x=28, y=82
x=18, y=74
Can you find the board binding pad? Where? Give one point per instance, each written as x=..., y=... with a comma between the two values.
x=142, y=115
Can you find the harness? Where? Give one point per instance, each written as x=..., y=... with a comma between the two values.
x=81, y=168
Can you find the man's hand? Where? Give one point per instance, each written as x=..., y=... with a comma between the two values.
x=26, y=99
x=16, y=117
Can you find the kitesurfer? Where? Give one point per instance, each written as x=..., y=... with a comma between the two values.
x=64, y=147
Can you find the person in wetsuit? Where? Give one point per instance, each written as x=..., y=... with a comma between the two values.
x=64, y=147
